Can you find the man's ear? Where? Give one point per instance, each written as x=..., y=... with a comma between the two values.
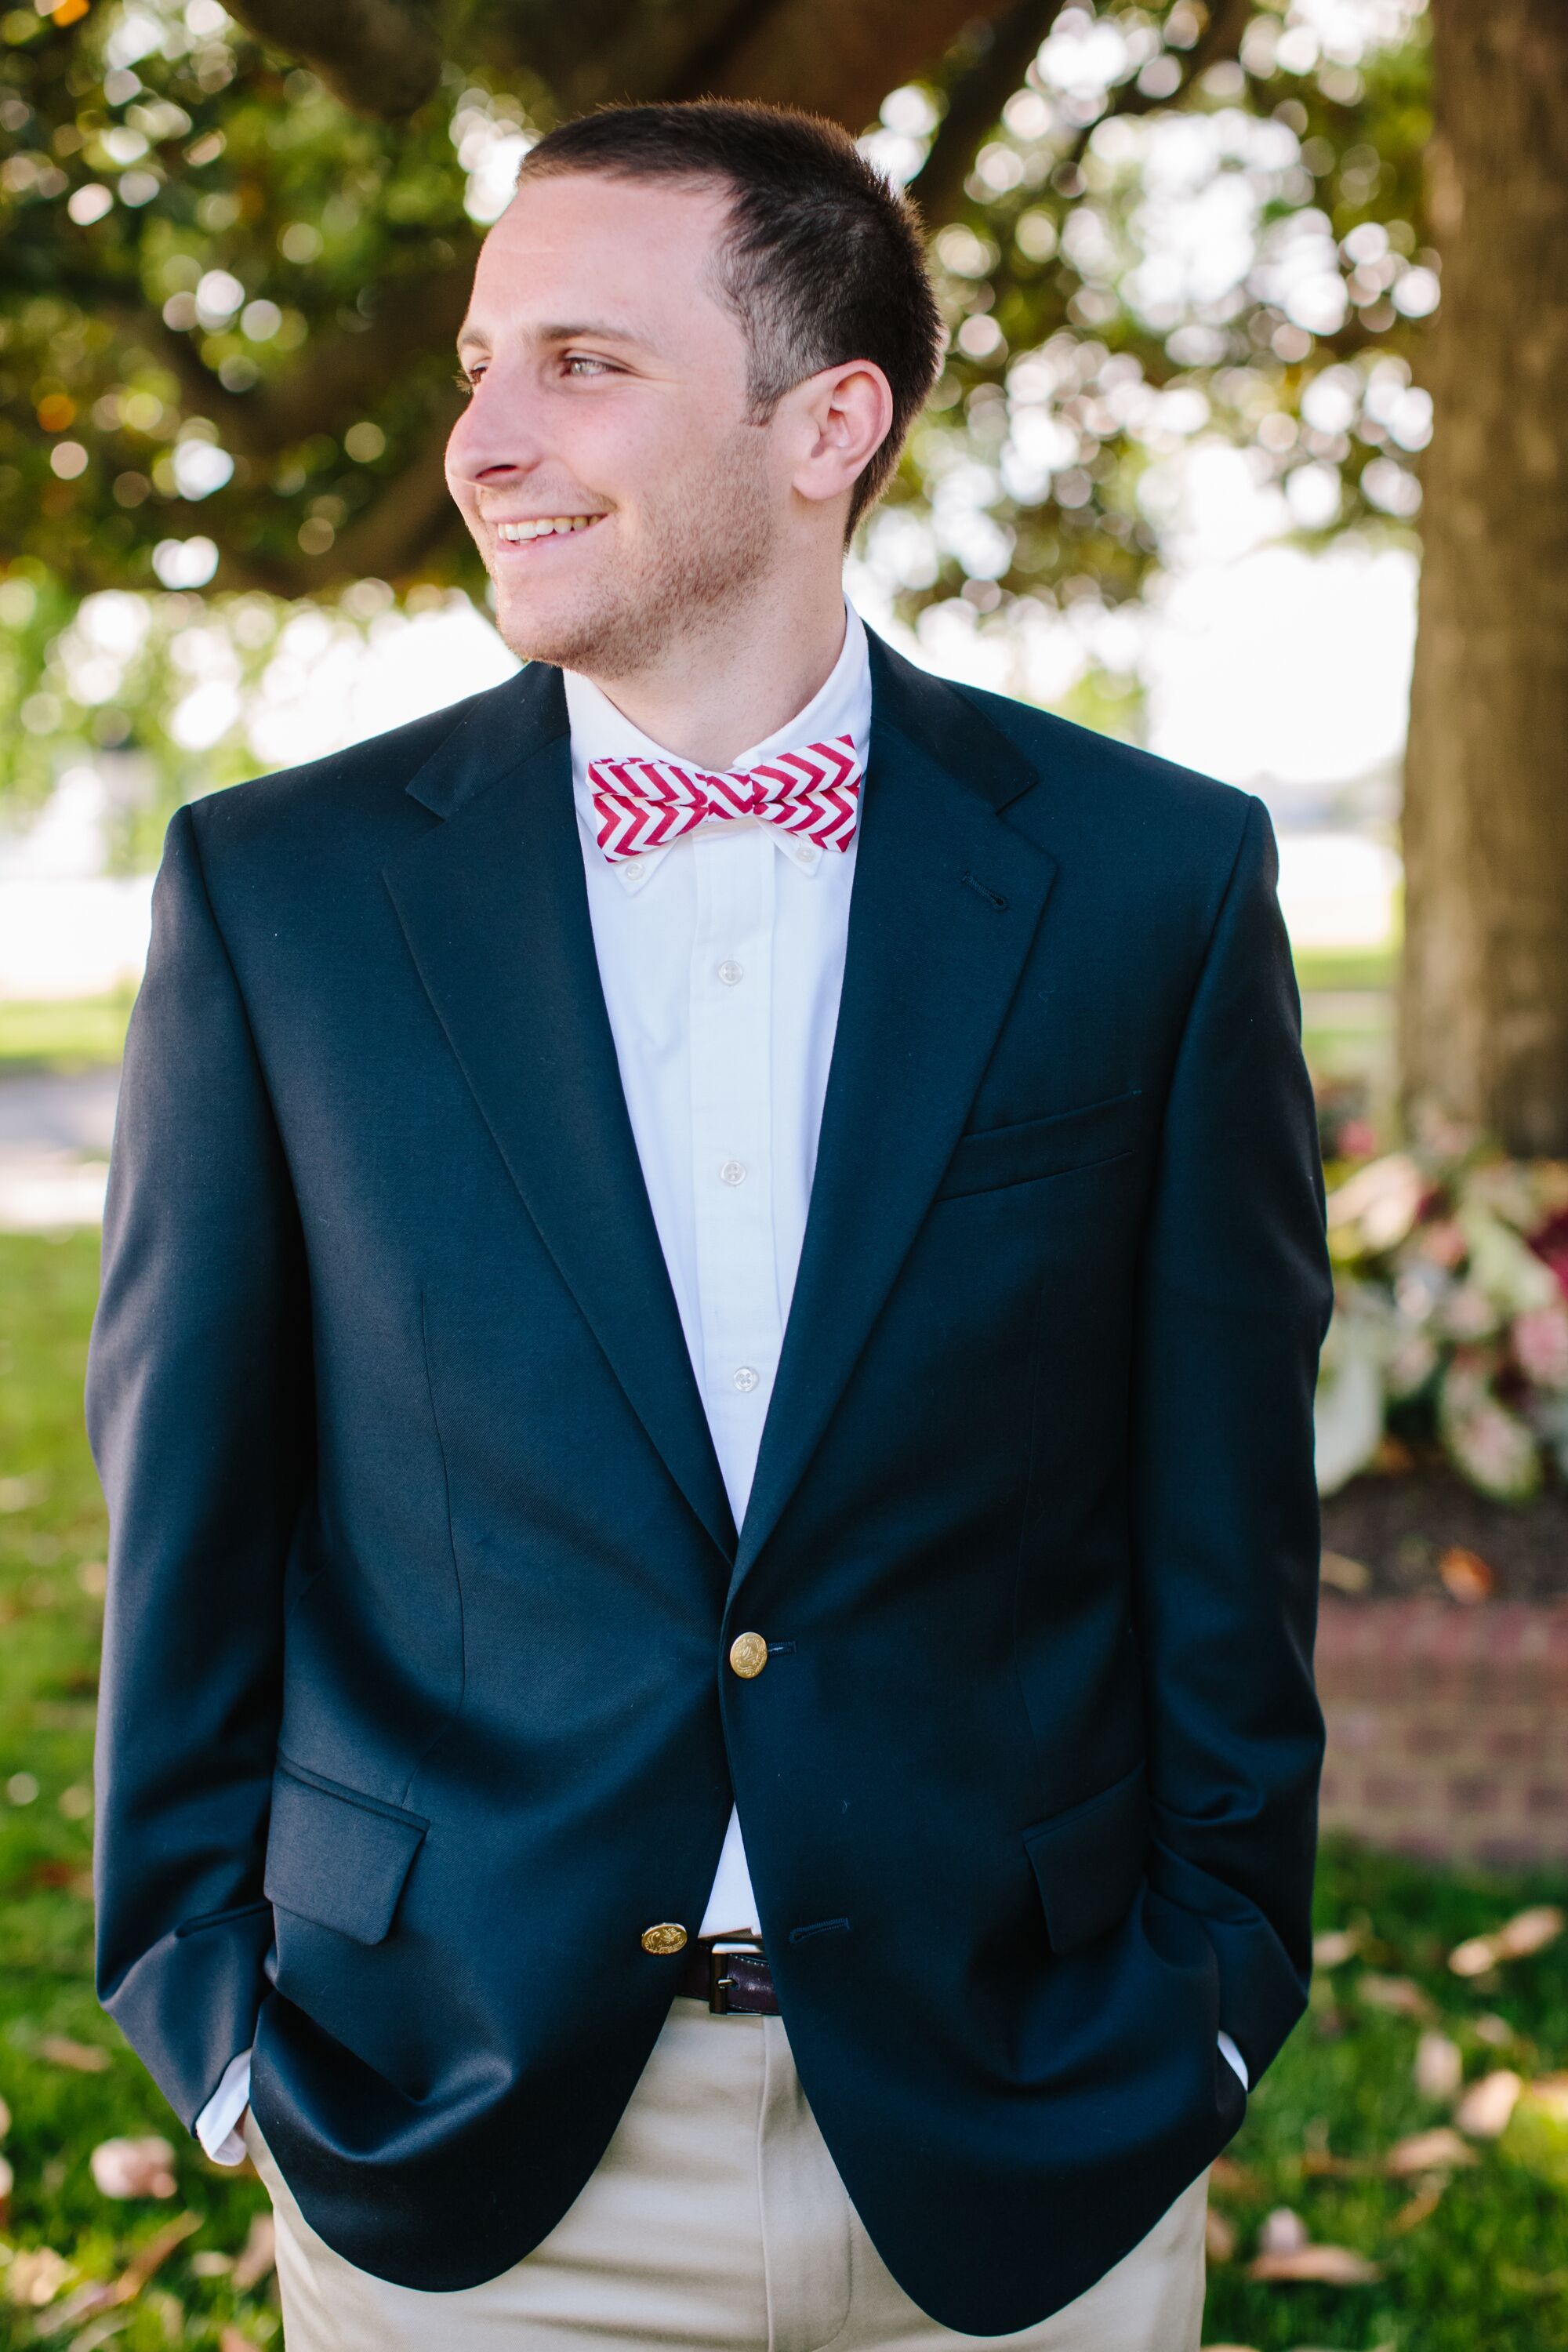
x=847, y=414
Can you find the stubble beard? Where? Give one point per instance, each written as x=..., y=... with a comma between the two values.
x=707, y=548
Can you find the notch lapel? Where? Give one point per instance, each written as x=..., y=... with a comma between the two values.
x=946, y=900
x=494, y=906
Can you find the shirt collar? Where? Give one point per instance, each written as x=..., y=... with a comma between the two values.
x=841, y=706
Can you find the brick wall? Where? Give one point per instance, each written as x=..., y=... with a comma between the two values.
x=1448, y=1727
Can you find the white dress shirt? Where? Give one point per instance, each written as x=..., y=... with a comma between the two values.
x=722, y=961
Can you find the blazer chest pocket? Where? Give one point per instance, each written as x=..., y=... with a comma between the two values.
x=335, y=1856
x=1089, y=1861
x=987, y=1158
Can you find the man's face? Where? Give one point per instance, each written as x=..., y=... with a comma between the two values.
x=609, y=395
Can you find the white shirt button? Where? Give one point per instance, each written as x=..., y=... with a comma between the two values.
x=745, y=1379
x=733, y=1172
x=731, y=972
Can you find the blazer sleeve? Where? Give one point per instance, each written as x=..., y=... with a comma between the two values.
x=1235, y=1298
x=199, y=1415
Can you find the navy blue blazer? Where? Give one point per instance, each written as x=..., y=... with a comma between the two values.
x=415, y=1708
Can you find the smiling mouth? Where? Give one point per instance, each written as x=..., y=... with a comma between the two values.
x=544, y=527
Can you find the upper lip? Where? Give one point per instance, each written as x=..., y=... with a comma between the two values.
x=545, y=514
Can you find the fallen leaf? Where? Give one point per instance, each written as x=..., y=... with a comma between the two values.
x=1283, y=2232
x=1537, y=2133
x=1422, y=2206
x=1344, y=1574
x=101, y=2331
x=231, y=2340
x=86, y=2057
x=1334, y=1946
x=34, y=2276
x=1496, y=2032
x=257, y=2255
x=1219, y=2237
x=1439, y=2068
x=210, y=2263
x=1400, y=1996
x=8, y=2182
x=1527, y=1932
x=1317, y=2164
x=1228, y=2178
x=1427, y=2151
x=1522, y=2282
x=1486, y=2106
x=154, y=2254
x=1324, y=2265
x=1466, y=1575
x=107, y=2295
x=133, y=2168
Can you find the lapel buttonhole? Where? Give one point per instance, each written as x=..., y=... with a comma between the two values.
x=983, y=890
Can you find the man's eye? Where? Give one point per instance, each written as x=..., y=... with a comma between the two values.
x=586, y=358
x=468, y=380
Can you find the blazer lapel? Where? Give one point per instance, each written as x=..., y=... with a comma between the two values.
x=494, y=906
x=946, y=900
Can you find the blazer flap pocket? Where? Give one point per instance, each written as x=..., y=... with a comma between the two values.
x=336, y=1856
x=1089, y=1861
x=988, y=1157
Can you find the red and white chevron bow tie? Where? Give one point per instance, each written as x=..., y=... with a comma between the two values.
x=647, y=804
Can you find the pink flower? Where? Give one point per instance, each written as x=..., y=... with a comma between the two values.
x=1540, y=1345
x=1551, y=1242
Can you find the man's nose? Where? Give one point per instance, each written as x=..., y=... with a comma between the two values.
x=496, y=435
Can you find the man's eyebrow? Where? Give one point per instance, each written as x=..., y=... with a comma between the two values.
x=563, y=333
x=608, y=330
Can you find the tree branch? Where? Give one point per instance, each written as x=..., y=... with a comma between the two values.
x=344, y=373
x=975, y=105
x=841, y=59
x=376, y=57
x=413, y=516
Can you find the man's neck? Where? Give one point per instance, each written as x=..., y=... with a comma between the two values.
x=708, y=698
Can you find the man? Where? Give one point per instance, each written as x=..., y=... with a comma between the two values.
x=713, y=1274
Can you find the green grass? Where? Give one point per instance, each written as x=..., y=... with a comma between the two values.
x=1348, y=968
x=76, y=1032
x=1486, y=2271
x=51, y=1551
x=69, y=1033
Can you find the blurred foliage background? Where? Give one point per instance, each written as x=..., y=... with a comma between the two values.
x=1330, y=234
x=230, y=301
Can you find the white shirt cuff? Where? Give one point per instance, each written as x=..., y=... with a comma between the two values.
x=216, y=2126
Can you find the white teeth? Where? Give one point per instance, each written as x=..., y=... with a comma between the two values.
x=543, y=526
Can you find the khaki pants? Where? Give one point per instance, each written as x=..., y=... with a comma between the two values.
x=716, y=2222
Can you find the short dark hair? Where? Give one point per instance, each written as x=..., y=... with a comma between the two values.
x=823, y=261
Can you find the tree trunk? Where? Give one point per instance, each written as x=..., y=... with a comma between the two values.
x=1484, y=1017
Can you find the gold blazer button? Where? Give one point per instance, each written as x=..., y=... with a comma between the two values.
x=748, y=1655
x=666, y=1938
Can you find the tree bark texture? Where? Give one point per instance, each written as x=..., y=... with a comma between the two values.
x=838, y=57
x=1484, y=1016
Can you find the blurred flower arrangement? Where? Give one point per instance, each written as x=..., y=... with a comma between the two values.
x=1451, y=1314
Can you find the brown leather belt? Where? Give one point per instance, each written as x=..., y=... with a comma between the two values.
x=732, y=1984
